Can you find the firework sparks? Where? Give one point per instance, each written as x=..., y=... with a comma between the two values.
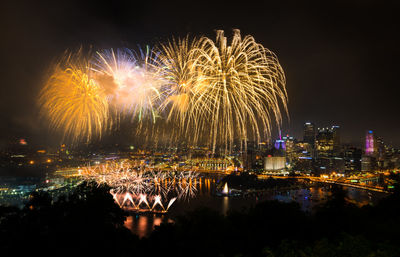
x=176, y=64
x=157, y=200
x=140, y=186
x=73, y=101
x=234, y=92
x=130, y=80
x=209, y=91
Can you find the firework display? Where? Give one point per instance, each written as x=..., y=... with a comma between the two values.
x=141, y=188
x=129, y=80
x=226, y=92
x=74, y=102
x=199, y=90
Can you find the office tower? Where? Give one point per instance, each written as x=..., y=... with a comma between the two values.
x=352, y=158
x=309, y=133
x=328, y=142
x=324, y=143
x=289, y=147
x=369, y=143
x=336, y=140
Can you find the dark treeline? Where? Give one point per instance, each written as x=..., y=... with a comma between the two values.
x=89, y=223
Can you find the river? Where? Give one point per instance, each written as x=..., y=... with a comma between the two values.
x=143, y=224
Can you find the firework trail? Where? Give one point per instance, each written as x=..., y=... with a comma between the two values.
x=176, y=65
x=233, y=91
x=73, y=102
x=139, y=185
x=207, y=91
x=130, y=81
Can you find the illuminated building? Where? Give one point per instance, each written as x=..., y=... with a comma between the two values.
x=367, y=163
x=252, y=159
x=352, y=158
x=328, y=142
x=213, y=164
x=375, y=152
x=328, y=165
x=381, y=151
x=309, y=137
x=279, y=143
x=300, y=155
x=309, y=133
x=304, y=164
x=289, y=147
x=369, y=143
x=336, y=140
x=274, y=163
x=376, y=147
x=324, y=142
x=328, y=149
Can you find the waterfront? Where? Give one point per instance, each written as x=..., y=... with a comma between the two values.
x=308, y=198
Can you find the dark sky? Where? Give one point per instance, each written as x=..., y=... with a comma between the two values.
x=341, y=58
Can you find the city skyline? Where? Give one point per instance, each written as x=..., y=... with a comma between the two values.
x=199, y=128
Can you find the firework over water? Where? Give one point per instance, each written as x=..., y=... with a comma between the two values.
x=207, y=91
x=133, y=184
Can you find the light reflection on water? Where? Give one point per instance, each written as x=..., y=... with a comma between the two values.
x=143, y=224
x=225, y=205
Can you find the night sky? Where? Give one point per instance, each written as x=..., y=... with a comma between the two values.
x=341, y=59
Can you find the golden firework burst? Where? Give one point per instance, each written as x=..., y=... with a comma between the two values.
x=73, y=102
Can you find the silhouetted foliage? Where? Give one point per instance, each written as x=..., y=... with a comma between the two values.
x=81, y=222
x=89, y=223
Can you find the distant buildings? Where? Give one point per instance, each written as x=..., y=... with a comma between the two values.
x=211, y=164
x=377, y=155
x=321, y=152
x=328, y=156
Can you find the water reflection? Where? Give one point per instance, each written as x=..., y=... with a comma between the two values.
x=157, y=221
x=225, y=205
x=143, y=224
x=308, y=198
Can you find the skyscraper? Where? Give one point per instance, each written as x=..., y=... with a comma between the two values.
x=336, y=140
x=369, y=143
x=328, y=142
x=352, y=158
x=309, y=133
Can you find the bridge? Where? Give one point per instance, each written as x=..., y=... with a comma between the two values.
x=338, y=182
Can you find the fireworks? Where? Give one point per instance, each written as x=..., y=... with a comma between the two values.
x=176, y=64
x=134, y=185
x=73, y=102
x=245, y=86
x=234, y=90
x=207, y=91
x=129, y=80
